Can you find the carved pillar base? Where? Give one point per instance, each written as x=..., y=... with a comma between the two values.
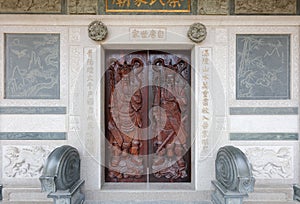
x=223, y=196
x=296, y=192
x=72, y=196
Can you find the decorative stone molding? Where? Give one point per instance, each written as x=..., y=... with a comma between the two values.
x=234, y=176
x=97, y=31
x=197, y=32
x=61, y=176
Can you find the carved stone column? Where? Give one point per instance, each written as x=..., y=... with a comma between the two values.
x=61, y=176
x=234, y=176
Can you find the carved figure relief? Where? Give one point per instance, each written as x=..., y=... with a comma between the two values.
x=136, y=92
x=207, y=7
x=31, y=6
x=24, y=161
x=265, y=7
x=263, y=67
x=271, y=162
x=83, y=6
x=32, y=66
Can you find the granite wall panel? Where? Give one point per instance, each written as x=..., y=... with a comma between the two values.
x=32, y=66
x=262, y=67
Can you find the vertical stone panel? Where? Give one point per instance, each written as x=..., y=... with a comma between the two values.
x=213, y=7
x=82, y=6
x=263, y=67
x=32, y=68
x=272, y=7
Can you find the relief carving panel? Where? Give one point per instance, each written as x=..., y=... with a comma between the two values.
x=266, y=93
x=24, y=161
x=213, y=7
x=271, y=162
x=265, y=7
x=32, y=68
x=82, y=6
x=31, y=6
x=263, y=67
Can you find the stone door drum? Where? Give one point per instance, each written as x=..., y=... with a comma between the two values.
x=147, y=114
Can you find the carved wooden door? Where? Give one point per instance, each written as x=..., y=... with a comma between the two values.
x=147, y=112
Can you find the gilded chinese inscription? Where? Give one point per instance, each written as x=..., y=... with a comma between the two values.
x=265, y=7
x=163, y=6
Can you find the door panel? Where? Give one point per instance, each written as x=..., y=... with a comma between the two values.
x=147, y=110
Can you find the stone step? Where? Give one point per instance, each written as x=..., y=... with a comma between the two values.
x=148, y=202
x=266, y=195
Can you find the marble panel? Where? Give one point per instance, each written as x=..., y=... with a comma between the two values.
x=264, y=136
x=33, y=135
x=268, y=162
x=263, y=111
x=32, y=110
x=24, y=161
x=32, y=66
x=268, y=77
x=273, y=7
x=262, y=67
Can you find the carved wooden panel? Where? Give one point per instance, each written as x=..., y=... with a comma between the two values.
x=147, y=117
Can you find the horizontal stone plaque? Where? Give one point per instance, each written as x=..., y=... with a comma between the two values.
x=148, y=6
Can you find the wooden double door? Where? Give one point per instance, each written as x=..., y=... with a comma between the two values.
x=147, y=114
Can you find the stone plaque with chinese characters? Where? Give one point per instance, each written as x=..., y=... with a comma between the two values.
x=147, y=33
x=148, y=6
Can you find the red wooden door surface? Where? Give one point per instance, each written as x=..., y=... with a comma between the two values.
x=147, y=114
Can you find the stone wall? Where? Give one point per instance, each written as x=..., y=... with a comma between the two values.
x=245, y=88
x=163, y=7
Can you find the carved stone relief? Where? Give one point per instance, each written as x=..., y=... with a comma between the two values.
x=32, y=6
x=50, y=62
x=32, y=66
x=97, y=31
x=213, y=7
x=24, y=161
x=82, y=6
x=265, y=7
x=271, y=162
x=294, y=73
x=197, y=32
x=262, y=67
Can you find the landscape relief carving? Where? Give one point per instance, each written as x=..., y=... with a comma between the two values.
x=24, y=161
x=32, y=66
x=31, y=6
x=265, y=7
x=262, y=67
x=271, y=162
